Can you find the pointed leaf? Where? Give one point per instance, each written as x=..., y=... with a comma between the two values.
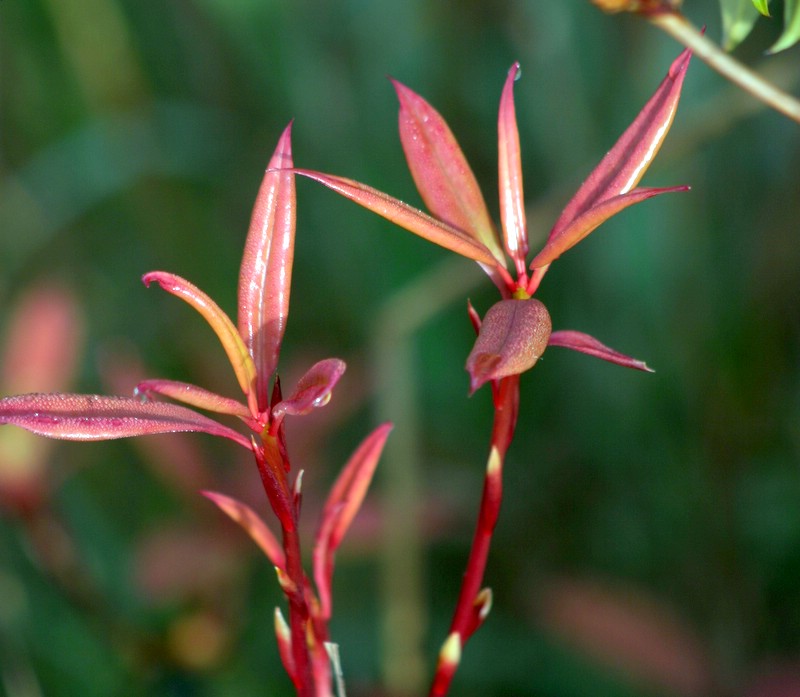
x=738, y=19
x=762, y=6
x=512, y=200
x=93, y=417
x=194, y=396
x=344, y=501
x=791, y=27
x=591, y=219
x=408, y=217
x=623, y=166
x=220, y=322
x=441, y=172
x=578, y=341
x=313, y=390
x=266, y=271
x=252, y=524
x=512, y=337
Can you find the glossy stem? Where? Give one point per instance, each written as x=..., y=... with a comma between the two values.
x=469, y=610
x=273, y=466
x=298, y=613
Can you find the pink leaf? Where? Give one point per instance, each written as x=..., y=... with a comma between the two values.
x=194, y=396
x=512, y=337
x=622, y=168
x=344, y=501
x=234, y=347
x=266, y=271
x=252, y=524
x=512, y=201
x=441, y=172
x=92, y=417
x=313, y=390
x=578, y=341
x=408, y=217
x=588, y=221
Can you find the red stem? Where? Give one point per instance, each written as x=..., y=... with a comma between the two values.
x=273, y=465
x=465, y=619
x=298, y=613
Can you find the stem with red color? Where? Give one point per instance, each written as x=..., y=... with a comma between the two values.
x=467, y=616
x=298, y=613
x=272, y=466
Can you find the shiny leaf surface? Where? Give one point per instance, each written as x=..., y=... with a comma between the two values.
x=266, y=270
x=220, y=322
x=93, y=417
x=578, y=341
x=313, y=390
x=408, y=217
x=441, y=172
x=625, y=164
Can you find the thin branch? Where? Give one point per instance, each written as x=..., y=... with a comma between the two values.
x=681, y=29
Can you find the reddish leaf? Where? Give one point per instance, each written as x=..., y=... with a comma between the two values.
x=92, y=417
x=512, y=201
x=194, y=396
x=266, y=271
x=313, y=390
x=441, y=172
x=252, y=524
x=220, y=322
x=622, y=168
x=513, y=335
x=578, y=341
x=344, y=500
x=591, y=219
x=408, y=217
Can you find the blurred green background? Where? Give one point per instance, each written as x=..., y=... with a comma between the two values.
x=649, y=542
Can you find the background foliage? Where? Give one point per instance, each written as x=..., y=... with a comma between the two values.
x=650, y=539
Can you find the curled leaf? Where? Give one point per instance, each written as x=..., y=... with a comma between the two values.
x=578, y=341
x=93, y=417
x=220, y=322
x=512, y=337
x=252, y=524
x=512, y=200
x=313, y=390
x=266, y=271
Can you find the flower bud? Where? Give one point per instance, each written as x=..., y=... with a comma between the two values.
x=513, y=334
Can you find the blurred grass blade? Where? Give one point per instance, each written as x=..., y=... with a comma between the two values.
x=791, y=27
x=738, y=18
x=762, y=6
